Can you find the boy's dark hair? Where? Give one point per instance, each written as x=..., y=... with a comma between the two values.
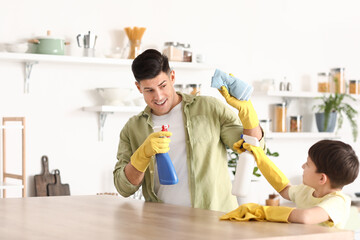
x=337, y=160
x=149, y=64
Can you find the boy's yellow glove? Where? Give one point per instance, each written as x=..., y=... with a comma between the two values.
x=271, y=172
x=253, y=211
x=156, y=142
x=247, y=112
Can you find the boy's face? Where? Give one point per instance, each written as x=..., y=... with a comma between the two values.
x=159, y=93
x=310, y=176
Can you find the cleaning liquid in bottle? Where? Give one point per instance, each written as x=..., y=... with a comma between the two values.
x=166, y=170
x=244, y=169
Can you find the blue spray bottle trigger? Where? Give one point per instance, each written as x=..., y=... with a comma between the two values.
x=166, y=170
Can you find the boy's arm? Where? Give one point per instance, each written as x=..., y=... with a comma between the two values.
x=285, y=192
x=312, y=215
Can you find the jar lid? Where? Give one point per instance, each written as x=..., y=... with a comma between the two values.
x=265, y=120
x=186, y=45
x=175, y=44
x=352, y=81
x=296, y=117
x=193, y=85
x=281, y=104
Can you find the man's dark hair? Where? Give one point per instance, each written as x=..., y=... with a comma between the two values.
x=337, y=160
x=149, y=64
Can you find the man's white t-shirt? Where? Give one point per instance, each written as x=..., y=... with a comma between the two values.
x=179, y=193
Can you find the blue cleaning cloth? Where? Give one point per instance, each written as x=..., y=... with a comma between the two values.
x=236, y=87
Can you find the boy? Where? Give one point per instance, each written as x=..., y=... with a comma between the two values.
x=319, y=200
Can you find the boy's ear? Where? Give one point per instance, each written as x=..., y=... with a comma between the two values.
x=323, y=178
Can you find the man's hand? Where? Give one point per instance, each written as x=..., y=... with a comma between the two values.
x=247, y=112
x=156, y=142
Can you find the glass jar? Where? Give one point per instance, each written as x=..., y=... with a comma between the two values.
x=134, y=48
x=187, y=57
x=323, y=82
x=174, y=51
x=296, y=123
x=354, y=86
x=265, y=124
x=337, y=80
x=280, y=117
x=193, y=89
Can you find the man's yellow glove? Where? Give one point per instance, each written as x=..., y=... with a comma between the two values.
x=271, y=172
x=156, y=142
x=253, y=211
x=247, y=112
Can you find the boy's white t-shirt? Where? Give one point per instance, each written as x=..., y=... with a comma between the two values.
x=179, y=193
x=336, y=204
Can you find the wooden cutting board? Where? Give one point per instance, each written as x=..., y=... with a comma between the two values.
x=58, y=189
x=42, y=180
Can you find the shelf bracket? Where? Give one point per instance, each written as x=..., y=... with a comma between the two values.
x=102, y=119
x=28, y=68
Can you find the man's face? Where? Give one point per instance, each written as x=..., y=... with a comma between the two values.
x=159, y=93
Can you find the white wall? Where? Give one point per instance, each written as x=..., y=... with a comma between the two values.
x=251, y=39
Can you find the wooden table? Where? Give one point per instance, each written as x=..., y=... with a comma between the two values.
x=111, y=217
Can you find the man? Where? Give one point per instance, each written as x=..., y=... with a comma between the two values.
x=200, y=128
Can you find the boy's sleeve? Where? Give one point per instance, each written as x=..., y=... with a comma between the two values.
x=337, y=207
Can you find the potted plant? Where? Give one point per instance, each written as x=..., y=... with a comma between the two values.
x=332, y=109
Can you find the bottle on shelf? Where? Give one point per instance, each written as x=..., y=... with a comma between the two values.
x=280, y=117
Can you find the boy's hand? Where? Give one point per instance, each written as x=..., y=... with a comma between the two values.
x=253, y=211
x=271, y=172
x=247, y=112
x=156, y=142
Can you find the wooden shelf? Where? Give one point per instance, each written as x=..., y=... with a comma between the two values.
x=104, y=110
x=113, y=109
x=301, y=135
x=301, y=94
x=38, y=58
x=30, y=59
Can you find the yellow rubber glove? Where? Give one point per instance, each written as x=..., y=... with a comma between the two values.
x=237, y=146
x=271, y=172
x=156, y=142
x=253, y=211
x=247, y=112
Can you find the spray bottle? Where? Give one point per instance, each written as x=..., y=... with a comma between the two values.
x=244, y=169
x=166, y=170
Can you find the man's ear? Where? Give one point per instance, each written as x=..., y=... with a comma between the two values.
x=138, y=86
x=172, y=76
x=323, y=179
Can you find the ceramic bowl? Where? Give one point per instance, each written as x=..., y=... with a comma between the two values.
x=114, y=96
x=17, y=47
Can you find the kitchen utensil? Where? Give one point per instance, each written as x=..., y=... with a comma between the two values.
x=87, y=41
x=42, y=180
x=134, y=34
x=49, y=45
x=114, y=96
x=58, y=189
